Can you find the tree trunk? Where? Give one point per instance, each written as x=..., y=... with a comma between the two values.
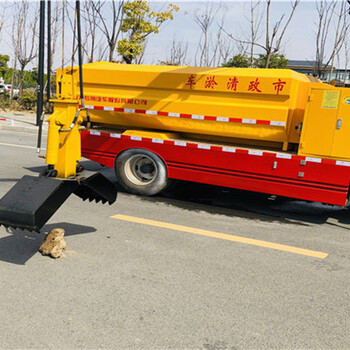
x=268, y=57
x=21, y=81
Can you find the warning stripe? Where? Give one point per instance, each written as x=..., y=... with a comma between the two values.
x=251, y=152
x=188, y=116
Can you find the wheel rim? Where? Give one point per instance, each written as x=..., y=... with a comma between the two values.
x=141, y=169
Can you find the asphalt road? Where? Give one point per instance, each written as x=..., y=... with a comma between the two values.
x=126, y=282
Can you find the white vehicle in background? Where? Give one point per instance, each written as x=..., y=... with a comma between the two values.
x=8, y=87
x=2, y=86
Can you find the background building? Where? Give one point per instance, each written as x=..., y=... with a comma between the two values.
x=340, y=76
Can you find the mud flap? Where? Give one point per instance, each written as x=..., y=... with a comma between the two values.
x=33, y=200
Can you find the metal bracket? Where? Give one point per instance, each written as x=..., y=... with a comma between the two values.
x=339, y=121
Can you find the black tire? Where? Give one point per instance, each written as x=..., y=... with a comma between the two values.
x=141, y=172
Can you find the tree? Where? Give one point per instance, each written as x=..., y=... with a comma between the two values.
x=139, y=21
x=178, y=54
x=25, y=37
x=110, y=30
x=55, y=29
x=2, y=20
x=30, y=77
x=346, y=59
x=224, y=44
x=244, y=61
x=239, y=61
x=204, y=21
x=3, y=64
x=254, y=22
x=273, y=35
x=329, y=11
x=274, y=40
x=212, y=48
x=276, y=61
x=90, y=17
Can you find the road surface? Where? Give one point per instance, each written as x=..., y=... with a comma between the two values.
x=198, y=267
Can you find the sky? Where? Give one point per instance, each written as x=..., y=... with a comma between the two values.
x=299, y=41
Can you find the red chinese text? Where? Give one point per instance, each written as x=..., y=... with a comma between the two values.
x=210, y=82
x=232, y=84
x=190, y=82
x=254, y=85
x=131, y=101
x=279, y=85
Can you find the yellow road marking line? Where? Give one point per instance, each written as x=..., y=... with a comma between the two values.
x=239, y=239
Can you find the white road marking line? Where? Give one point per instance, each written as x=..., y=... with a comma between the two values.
x=14, y=145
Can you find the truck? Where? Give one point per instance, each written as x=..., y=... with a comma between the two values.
x=265, y=130
x=273, y=131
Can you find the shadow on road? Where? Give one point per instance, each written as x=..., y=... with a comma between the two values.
x=237, y=203
x=37, y=169
x=244, y=204
x=251, y=205
x=20, y=246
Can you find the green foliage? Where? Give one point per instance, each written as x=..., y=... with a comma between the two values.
x=239, y=61
x=30, y=77
x=276, y=61
x=28, y=99
x=8, y=75
x=29, y=96
x=243, y=61
x=3, y=64
x=140, y=21
x=5, y=102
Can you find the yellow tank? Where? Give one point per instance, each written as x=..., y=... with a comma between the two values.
x=251, y=106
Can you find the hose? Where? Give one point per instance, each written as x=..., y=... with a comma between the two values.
x=77, y=7
x=82, y=108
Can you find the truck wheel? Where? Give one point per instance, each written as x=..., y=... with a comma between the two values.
x=141, y=172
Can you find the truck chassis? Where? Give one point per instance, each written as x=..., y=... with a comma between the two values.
x=281, y=174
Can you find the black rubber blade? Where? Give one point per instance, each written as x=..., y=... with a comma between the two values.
x=97, y=187
x=33, y=200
